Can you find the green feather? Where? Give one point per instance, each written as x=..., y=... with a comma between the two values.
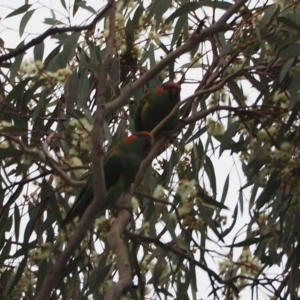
x=155, y=106
x=121, y=165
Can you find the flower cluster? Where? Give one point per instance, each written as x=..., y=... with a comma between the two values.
x=29, y=67
x=81, y=138
x=40, y=253
x=103, y=226
x=187, y=192
x=247, y=265
x=186, y=189
x=284, y=159
x=214, y=128
x=217, y=97
x=28, y=279
x=159, y=192
x=58, y=76
x=4, y=125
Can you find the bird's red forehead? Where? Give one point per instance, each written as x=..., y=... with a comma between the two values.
x=172, y=85
x=133, y=137
x=167, y=86
x=130, y=139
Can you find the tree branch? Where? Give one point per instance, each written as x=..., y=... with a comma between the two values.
x=92, y=210
x=192, y=42
x=115, y=239
x=55, y=30
x=41, y=155
x=185, y=255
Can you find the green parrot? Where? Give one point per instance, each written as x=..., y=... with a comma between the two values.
x=155, y=106
x=121, y=164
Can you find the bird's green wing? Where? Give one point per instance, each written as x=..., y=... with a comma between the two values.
x=142, y=107
x=155, y=106
x=113, y=168
x=116, y=174
x=131, y=166
x=82, y=201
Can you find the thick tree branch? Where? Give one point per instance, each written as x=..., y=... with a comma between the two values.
x=97, y=134
x=115, y=239
x=91, y=212
x=55, y=30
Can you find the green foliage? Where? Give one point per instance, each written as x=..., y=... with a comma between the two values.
x=224, y=188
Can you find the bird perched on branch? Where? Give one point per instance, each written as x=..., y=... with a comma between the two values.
x=121, y=164
x=155, y=106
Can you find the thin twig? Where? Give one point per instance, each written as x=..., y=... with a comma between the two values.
x=185, y=255
x=55, y=30
x=192, y=42
x=42, y=156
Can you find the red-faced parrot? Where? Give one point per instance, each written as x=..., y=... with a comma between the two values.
x=155, y=106
x=121, y=164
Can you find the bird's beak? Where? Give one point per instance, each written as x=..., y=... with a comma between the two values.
x=174, y=93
